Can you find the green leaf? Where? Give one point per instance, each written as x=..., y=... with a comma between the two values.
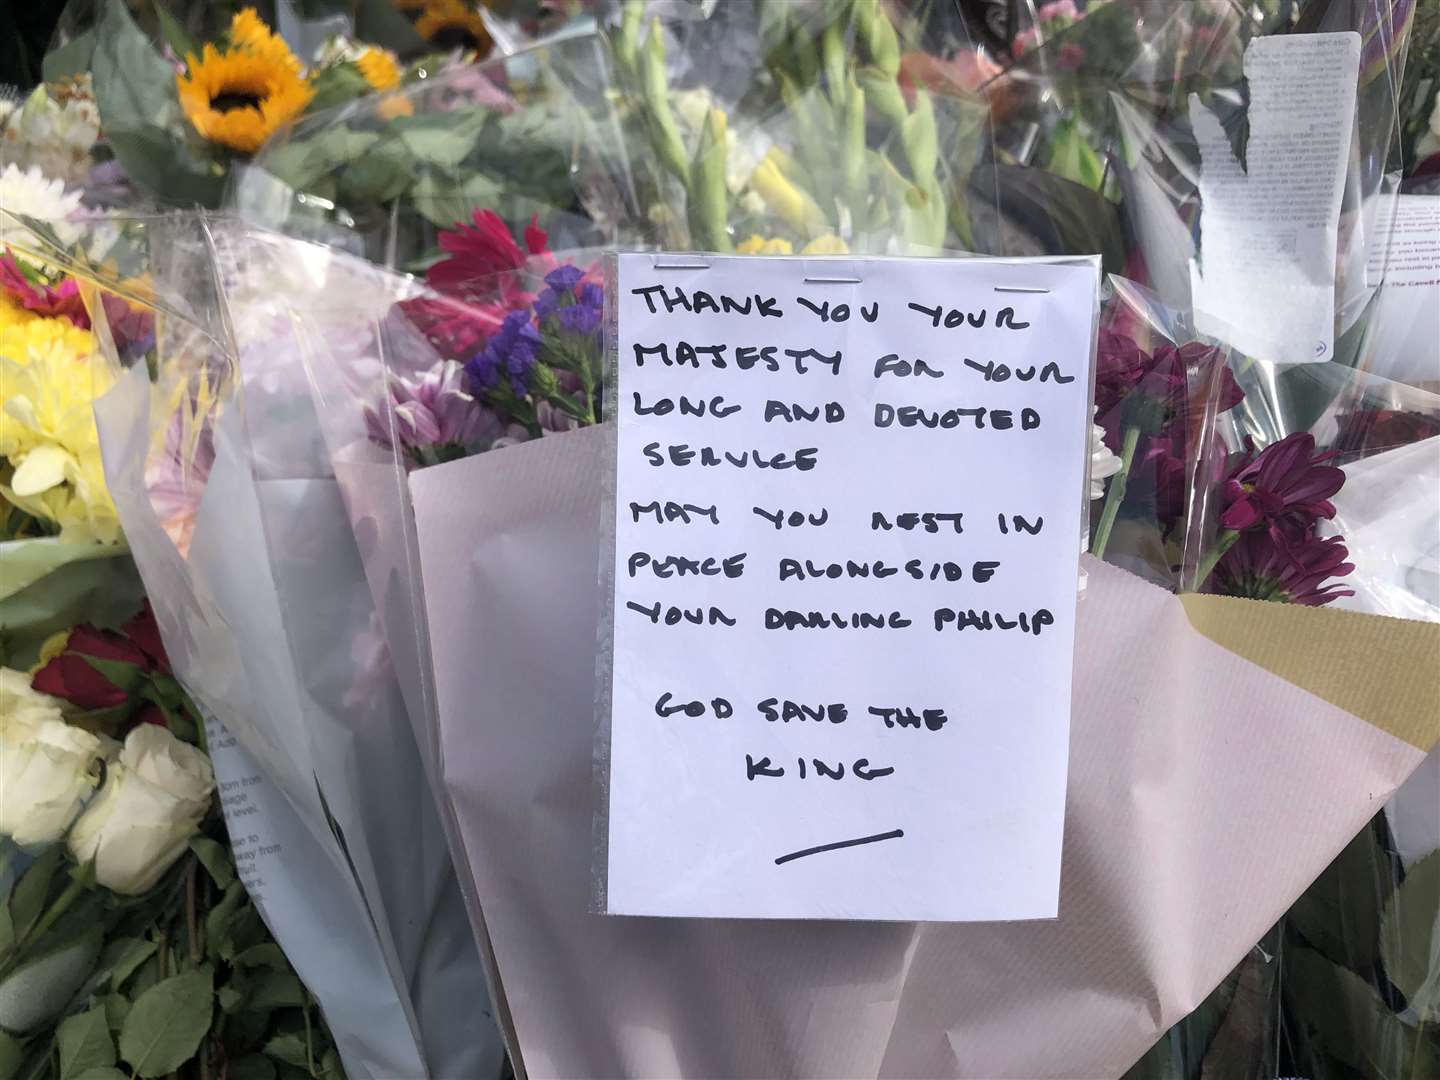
x=1410, y=937
x=27, y=902
x=289, y=1049
x=1073, y=158
x=102, y=1073
x=386, y=170
x=130, y=954
x=441, y=138
x=72, y=58
x=176, y=36
x=336, y=85
x=302, y=162
x=167, y=1023
x=12, y=1053
x=275, y=990
x=117, y=1007
x=216, y=859
x=268, y=955
x=250, y=1067
x=1348, y=1017
x=84, y=1043
x=1339, y=914
x=444, y=202
x=219, y=919
x=7, y=930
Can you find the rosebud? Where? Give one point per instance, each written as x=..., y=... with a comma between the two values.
x=152, y=802
x=47, y=767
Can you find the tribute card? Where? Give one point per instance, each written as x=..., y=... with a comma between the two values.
x=848, y=515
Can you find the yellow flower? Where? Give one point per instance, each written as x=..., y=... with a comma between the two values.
x=47, y=429
x=449, y=23
x=379, y=68
x=784, y=198
x=249, y=32
x=239, y=98
x=828, y=244
x=26, y=337
x=393, y=105
x=758, y=245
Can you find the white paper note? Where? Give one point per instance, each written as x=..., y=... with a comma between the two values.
x=1264, y=280
x=845, y=586
x=1404, y=341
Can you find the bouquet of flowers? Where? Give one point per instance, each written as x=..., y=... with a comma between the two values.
x=127, y=938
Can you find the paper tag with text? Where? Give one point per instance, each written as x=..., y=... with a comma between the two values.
x=848, y=503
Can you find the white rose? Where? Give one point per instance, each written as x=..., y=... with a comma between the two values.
x=1429, y=141
x=152, y=802
x=47, y=767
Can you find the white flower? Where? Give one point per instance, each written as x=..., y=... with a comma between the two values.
x=152, y=803
x=56, y=136
x=28, y=193
x=337, y=49
x=46, y=765
x=1429, y=142
x=1103, y=463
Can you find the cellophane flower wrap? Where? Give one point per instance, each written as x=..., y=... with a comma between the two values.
x=216, y=467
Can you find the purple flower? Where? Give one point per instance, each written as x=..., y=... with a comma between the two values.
x=510, y=352
x=580, y=319
x=1283, y=489
x=592, y=295
x=546, y=304
x=564, y=278
x=431, y=412
x=1257, y=568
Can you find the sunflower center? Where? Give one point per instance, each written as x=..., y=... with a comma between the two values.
x=454, y=37
x=235, y=99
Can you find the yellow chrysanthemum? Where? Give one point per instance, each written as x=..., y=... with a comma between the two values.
x=248, y=31
x=52, y=467
x=450, y=24
x=379, y=68
x=792, y=203
x=828, y=244
x=239, y=98
x=758, y=245
x=26, y=337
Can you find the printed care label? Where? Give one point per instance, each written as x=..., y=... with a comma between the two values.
x=848, y=514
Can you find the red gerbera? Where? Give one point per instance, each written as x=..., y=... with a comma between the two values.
x=480, y=251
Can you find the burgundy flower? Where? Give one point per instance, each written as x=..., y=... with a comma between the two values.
x=132, y=327
x=1257, y=568
x=1282, y=489
x=72, y=676
x=53, y=301
x=1373, y=430
x=1119, y=364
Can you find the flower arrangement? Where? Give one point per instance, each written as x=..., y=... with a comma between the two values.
x=130, y=941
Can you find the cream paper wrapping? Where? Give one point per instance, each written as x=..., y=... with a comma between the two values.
x=1205, y=793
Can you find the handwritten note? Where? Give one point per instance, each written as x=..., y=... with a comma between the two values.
x=1269, y=229
x=848, y=497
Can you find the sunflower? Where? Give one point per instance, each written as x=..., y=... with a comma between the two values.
x=248, y=31
x=450, y=24
x=379, y=68
x=239, y=98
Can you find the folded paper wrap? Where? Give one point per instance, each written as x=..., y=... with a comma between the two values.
x=1222, y=752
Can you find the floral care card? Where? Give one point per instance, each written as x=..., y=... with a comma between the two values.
x=847, y=510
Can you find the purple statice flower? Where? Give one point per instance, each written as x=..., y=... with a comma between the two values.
x=546, y=304
x=510, y=353
x=564, y=278
x=580, y=319
x=591, y=295
x=433, y=414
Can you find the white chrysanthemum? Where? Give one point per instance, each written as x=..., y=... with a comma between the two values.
x=337, y=49
x=53, y=135
x=1429, y=143
x=1103, y=463
x=29, y=193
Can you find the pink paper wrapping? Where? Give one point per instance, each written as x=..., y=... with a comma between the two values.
x=1205, y=793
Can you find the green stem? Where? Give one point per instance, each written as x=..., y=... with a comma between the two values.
x=1116, y=493
x=52, y=915
x=1223, y=543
